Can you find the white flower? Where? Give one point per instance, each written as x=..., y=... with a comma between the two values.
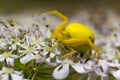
x=115, y=68
x=48, y=61
x=35, y=38
x=3, y=43
x=28, y=48
x=31, y=52
x=62, y=71
x=52, y=55
x=116, y=74
x=8, y=57
x=14, y=43
x=29, y=57
x=15, y=75
x=114, y=63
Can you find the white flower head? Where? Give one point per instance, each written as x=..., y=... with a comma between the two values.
x=9, y=57
x=62, y=71
x=31, y=52
x=3, y=43
x=15, y=75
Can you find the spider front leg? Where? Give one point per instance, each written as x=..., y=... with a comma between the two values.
x=62, y=25
x=75, y=42
x=69, y=53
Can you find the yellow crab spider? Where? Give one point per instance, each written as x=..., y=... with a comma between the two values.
x=75, y=36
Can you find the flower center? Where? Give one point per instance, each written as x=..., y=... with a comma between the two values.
x=17, y=40
x=117, y=55
x=30, y=49
x=37, y=56
x=8, y=70
x=6, y=54
x=36, y=41
x=70, y=62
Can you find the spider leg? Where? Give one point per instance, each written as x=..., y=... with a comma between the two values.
x=74, y=42
x=69, y=53
x=64, y=18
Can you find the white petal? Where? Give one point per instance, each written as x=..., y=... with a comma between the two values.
x=61, y=73
x=4, y=77
x=44, y=53
x=99, y=72
x=10, y=61
x=79, y=68
x=21, y=51
x=50, y=63
x=113, y=64
x=116, y=74
x=3, y=68
x=57, y=52
x=26, y=58
x=42, y=43
x=13, y=46
x=14, y=56
x=52, y=55
x=35, y=52
x=2, y=43
x=39, y=60
x=16, y=77
x=48, y=34
x=1, y=72
x=90, y=66
x=58, y=61
x=104, y=65
x=117, y=44
x=1, y=58
x=48, y=59
x=18, y=72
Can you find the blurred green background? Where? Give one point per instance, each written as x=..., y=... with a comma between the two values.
x=67, y=6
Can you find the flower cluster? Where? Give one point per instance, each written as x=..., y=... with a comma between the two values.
x=26, y=52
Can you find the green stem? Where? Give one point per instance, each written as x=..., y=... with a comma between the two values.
x=34, y=76
x=44, y=68
x=44, y=75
